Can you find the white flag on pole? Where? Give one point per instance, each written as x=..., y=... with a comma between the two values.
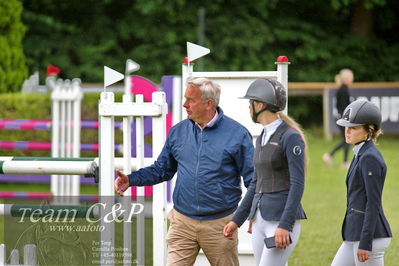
x=195, y=51
x=131, y=66
x=111, y=76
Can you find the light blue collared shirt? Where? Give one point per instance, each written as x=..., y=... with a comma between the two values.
x=270, y=129
x=357, y=148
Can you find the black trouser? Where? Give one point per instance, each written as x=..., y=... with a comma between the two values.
x=341, y=145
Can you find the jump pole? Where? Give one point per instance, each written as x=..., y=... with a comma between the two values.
x=118, y=163
x=59, y=167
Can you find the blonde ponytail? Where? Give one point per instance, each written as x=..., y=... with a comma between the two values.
x=292, y=123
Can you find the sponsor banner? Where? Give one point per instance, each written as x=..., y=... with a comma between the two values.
x=387, y=99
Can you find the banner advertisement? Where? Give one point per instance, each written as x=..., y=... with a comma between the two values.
x=387, y=99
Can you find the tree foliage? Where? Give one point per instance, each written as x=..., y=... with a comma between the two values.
x=319, y=37
x=13, y=69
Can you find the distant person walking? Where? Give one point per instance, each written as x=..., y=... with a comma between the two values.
x=344, y=79
x=365, y=231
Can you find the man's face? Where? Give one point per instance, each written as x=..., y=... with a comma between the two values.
x=196, y=108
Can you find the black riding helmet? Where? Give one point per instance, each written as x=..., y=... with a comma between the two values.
x=268, y=91
x=361, y=112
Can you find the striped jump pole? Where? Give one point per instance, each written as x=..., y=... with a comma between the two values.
x=47, y=146
x=42, y=196
x=57, y=211
x=40, y=124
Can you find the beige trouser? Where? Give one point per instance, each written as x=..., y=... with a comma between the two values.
x=187, y=236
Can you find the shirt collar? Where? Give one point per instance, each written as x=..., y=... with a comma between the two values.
x=272, y=126
x=357, y=148
x=210, y=123
x=269, y=129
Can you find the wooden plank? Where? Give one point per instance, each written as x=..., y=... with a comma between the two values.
x=317, y=88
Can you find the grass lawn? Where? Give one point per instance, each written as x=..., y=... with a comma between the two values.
x=324, y=202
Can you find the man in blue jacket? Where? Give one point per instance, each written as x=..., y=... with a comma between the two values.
x=210, y=153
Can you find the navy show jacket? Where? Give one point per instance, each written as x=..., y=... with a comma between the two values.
x=364, y=219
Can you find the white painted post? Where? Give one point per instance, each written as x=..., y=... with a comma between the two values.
x=78, y=95
x=107, y=173
x=55, y=130
x=159, y=214
x=2, y=255
x=127, y=169
x=66, y=102
x=140, y=226
x=282, y=77
x=127, y=84
x=30, y=257
x=177, y=100
x=187, y=70
x=14, y=257
x=62, y=139
x=68, y=141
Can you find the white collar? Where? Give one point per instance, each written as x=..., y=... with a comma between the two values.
x=357, y=148
x=273, y=126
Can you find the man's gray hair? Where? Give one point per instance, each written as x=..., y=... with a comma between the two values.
x=209, y=89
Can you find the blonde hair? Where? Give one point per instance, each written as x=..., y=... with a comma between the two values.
x=346, y=76
x=292, y=123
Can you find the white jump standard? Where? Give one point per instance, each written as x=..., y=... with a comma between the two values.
x=108, y=109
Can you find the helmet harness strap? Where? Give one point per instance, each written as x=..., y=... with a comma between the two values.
x=369, y=135
x=255, y=114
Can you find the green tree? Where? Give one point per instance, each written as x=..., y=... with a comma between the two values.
x=13, y=69
x=319, y=37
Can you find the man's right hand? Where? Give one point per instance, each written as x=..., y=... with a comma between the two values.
x=121, y=183
x=229, y=229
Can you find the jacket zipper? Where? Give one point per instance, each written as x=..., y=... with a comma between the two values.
x=259, y=158
x=196, y=172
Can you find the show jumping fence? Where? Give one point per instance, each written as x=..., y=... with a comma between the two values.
x=107, y=163
x=29, y=255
